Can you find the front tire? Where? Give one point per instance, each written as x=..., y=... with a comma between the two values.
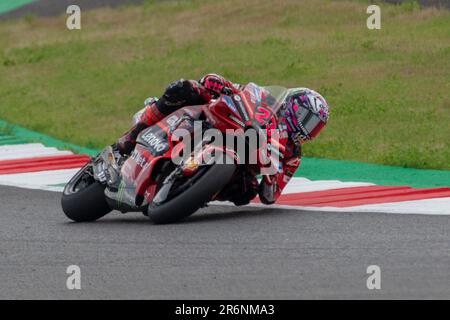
x=84, y=204
x=200, y=193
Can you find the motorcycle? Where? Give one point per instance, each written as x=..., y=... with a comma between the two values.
x=151, y=182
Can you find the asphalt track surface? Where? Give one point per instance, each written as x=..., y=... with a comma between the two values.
x=219, y=253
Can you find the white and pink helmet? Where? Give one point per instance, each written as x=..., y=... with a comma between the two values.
x=306, y=113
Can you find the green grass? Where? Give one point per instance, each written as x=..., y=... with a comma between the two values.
x=389, y=89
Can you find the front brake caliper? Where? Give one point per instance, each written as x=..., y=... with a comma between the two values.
x=190, y=166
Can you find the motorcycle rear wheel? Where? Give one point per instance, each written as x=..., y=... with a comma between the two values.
x=84, y=203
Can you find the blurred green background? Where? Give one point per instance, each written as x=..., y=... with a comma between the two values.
x=388, y=89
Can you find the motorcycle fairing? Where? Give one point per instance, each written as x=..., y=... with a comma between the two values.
x=253, y=107
x=154, y=144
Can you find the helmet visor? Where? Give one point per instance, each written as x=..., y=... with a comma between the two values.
x=310, y=123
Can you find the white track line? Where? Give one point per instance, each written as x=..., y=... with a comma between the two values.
x=41, y=178
x=297, y=185
x=32, y=150
x=52, y=181
x=33, y=154
x=32, y=186
x=438, y=206
x=19, y=147
x=44, y=180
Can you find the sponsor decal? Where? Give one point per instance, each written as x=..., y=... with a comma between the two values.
x=315, y=104
x=236, y=120
x=156, y=143
x=262, y=115
x=230, y=103
x=139, y=158
x=241, y=107
x=172, y=120
x=289, y=173
x=295, y=162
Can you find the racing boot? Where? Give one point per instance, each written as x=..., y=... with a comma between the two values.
x=241, y=191
x=144, y=119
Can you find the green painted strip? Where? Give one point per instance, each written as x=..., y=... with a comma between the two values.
x=58, y=185
x=13, y=141
x=6, y=137
x=9, y=5
x=29, y=136
x=325, y=169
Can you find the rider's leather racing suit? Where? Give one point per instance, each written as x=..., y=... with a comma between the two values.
x=183, y=93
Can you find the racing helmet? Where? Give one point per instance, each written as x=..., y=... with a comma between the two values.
x=306, y=114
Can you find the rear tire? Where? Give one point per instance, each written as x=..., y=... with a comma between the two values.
x=200, y=193
x=87, y=204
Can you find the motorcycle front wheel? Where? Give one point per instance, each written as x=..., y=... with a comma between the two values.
x=200, y=192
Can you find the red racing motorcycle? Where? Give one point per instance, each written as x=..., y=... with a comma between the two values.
x=165, y=190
